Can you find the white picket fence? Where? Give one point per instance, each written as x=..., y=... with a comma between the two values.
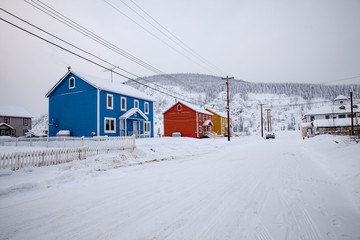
x=69, y=142
x=15, y=161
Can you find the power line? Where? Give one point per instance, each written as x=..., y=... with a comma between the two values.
x=86, y=59
x=169, y=35
x=151, y=33
x=342, y=79
x=91, y=54
x=84, y=31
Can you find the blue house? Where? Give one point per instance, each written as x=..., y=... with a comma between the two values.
x=87, y=106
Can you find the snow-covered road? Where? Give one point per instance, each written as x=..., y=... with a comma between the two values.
x=250, y=188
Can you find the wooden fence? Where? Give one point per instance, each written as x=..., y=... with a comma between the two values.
x=15, y=161
x=69, y=142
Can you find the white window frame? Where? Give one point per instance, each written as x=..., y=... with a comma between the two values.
x=179, y=107
x=107, y=101
x=110, y=119
x=200, y=129
x=72, y=78
x=149, y=125
x=121, y=105
x=146, y=107
x=25, y=122
x=136, y=102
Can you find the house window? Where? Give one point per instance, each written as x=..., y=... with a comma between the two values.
x=25, y=121
x=25, y=131
x=312, y=118
x=123, y=104
x=200, y=129
x=6, y=120
x=342, y=116
x=349, y=115
x=136, y=103
x=2, y=133
x=179, y=107
x=147, y=127
x=146, y=107
x=72, y=82
x=327, y=117
x=110, y=125
x=109, y=101
x=13, y=133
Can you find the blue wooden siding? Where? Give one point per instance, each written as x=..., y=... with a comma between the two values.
x=75, y=109
x=116, y=112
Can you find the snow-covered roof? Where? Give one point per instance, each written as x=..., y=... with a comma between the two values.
x=106, y=85
x=338, y=122
x=113, y=87
x=195, y=108
x=208, y=122
x=6, y=125
x=341, y=97
x=333, y=109
x=131, y=112
x=221, y=114
x=306, y=124
x=14, y=111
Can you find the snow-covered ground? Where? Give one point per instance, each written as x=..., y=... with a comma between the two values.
x=182, y=188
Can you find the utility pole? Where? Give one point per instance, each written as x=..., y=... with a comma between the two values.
x=111, y=71
x=268, y=115
x=352, y=114
x=262, y=131
x=228, y=107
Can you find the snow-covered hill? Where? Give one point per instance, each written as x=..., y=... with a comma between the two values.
x=288, y=101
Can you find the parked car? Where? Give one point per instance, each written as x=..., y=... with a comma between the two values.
x=270, y=135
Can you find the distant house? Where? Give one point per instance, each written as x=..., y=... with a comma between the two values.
x=188, y=120
x=88, y=106
x=14, y=121
x=332, y=118
x=220, y=123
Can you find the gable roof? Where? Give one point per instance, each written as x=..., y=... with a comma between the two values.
x=103, y=84
x=341, y=97
x=191, y=106
x=6, y=125
x=333, y=109
x=223, y=115
x=208, y=122
x=131, y=112
x=14, y=111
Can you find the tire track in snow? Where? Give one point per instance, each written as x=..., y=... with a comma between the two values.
x=302, y=224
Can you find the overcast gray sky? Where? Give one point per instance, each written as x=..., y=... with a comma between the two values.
x=313, y=41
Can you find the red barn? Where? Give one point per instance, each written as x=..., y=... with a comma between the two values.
x=188, y=119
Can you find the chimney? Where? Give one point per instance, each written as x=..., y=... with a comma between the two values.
x=69, y=68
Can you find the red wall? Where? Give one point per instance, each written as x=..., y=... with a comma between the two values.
x=183, y=121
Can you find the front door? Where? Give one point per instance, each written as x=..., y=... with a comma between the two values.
x=136, y=127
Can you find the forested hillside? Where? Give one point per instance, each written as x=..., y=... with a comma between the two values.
x=288, y=101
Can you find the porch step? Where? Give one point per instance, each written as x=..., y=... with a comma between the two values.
x=211, y=134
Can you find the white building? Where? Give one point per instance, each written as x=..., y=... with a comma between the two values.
x=332, y=118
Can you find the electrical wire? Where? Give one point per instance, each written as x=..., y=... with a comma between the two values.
x=169, y=35
x=86, y=32
x=91, y=54
x=151, y=33
x=86, y=59
x=81, y=29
